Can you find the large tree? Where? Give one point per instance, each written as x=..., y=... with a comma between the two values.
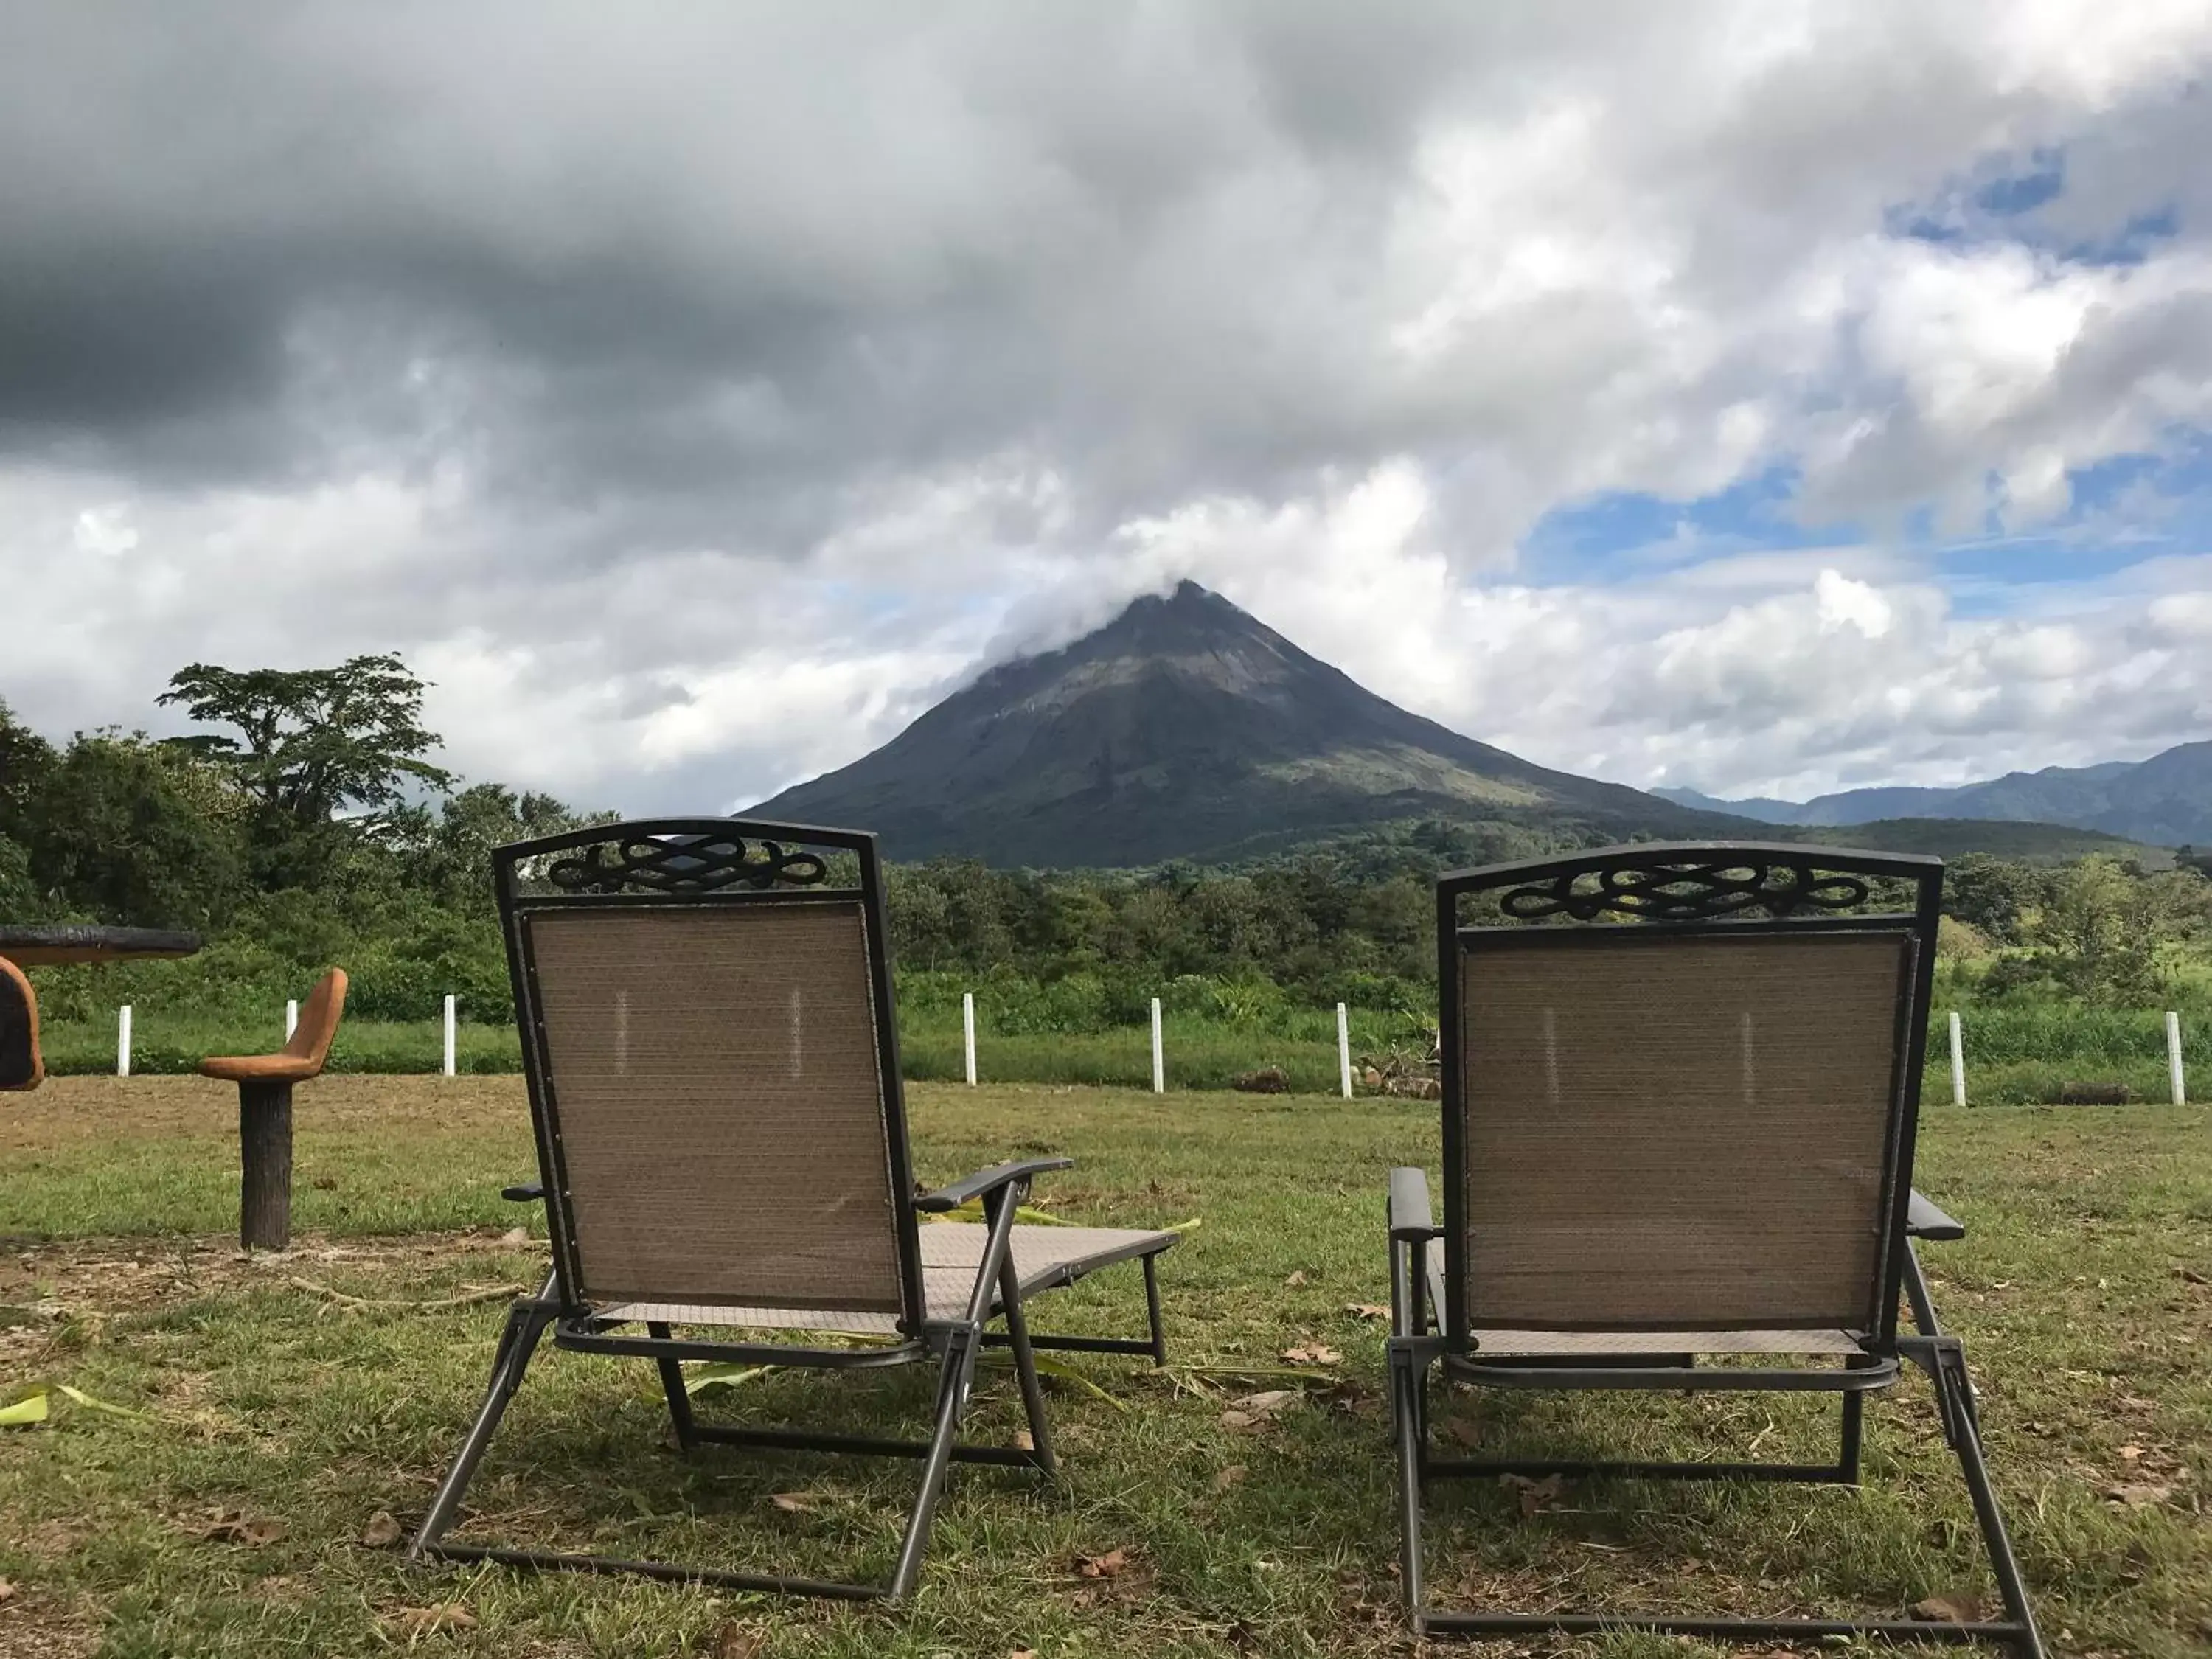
x=311, y=744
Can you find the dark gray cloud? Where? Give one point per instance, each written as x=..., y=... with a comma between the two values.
x=640, y=364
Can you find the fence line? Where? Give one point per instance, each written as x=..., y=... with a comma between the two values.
x=1344, y=1049
x=1958, y=1062
x=2173, y=1059
x=123, y=1041
x=451, y=1034
x=1159, y=1063
x=967, y=1031
x=291, y=1018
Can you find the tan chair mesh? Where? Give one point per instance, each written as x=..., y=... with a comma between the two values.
x=720, y=1106
x=951, y=1252
x=1687, y=1133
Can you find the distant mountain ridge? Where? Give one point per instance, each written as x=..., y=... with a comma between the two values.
x=1186, y=728
x=2165, y=801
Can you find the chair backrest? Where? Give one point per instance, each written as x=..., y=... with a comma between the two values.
x=20, y=1065
x=708, y=1028
x=1681, y=1092
x=318, y=1020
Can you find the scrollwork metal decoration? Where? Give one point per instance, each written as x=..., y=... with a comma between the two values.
x=1686, y=891
x=690, y=865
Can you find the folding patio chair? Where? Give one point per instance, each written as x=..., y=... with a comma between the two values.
x=1679, y=1122
x=707, y=1030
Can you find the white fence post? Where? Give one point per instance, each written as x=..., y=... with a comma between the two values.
x=291, y=1019
x=1159, y=1063
x=450, y=1035
x=1958, y=1064
x=2173, y=1058
x=123, y=1041
x=1344, y=1049
x=967, y=1031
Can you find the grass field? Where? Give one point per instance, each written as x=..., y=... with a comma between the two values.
x=285, y=1400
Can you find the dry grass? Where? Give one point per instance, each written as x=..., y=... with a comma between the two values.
x=2083, y=1294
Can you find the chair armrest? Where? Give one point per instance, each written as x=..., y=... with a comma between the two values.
x=984, y=1181
x=1924, y=1220
x=1410, y=1221
x=529, y=1194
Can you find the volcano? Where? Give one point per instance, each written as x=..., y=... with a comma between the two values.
x=1186, y=728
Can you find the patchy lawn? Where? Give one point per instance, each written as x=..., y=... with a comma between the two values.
x=285, y=1402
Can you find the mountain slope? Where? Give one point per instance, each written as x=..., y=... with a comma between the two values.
x=2165, y=800
x=1182, y=728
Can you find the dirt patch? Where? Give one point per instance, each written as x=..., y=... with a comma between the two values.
x=46, y=1285
x=67, y=1111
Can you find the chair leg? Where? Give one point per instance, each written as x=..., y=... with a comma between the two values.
x=1153, y=1308
x=265, y=1152
x=1408, y=1381
x=679, y=1402
x=1017, y=1339
x=525, y=1323
x=952, y=1388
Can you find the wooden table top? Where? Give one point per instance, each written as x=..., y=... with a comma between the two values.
x=60, y=944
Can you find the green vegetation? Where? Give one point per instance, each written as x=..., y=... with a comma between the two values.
x=289, y=838
x=268, y=1398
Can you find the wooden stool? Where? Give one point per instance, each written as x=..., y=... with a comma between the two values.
x=264, y=1113
x=19, y=1066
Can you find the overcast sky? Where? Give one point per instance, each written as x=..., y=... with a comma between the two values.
x=1758, y=397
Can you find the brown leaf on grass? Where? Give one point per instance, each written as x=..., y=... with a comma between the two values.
x=7, y=1591
x=2190, y=1276
x=1024, y=1441
x=236, y=1527
x=1367, y=1311
x=2130, y=1453
x=2136, y=1495
x=1252, y=1410
x=324, y=1183
x=735, y=1641
x=793, y=1503
x=1022, y=1653
x=1111, y=1564
x=515, y=1236
x=1311, y=1353
x=382, y=1531
x=1466, y=1433
x=1536, y=1496
x=414, y=1623
x=1952, y=1606
x=1297, y=1276
x=1230, y=1476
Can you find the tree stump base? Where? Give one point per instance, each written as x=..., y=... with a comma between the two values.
x=264, y=1144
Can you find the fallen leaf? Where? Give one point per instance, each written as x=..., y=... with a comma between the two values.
x=1466, y=1433
x=1233, y=1418
x=2130, y=1453
x=7, y=1591
x=1313, y=1353
x=2137, y=1495
x=1536, y=1496
x=1022, y=1653
x=1108, y=1565
x=1267, y=1400
x=237, y=1526
x=1024, y=1441
x=515, y=1236
x=734, y=1641
x=31, y=1408
x=2190, y=1276
x=413, y=1622
x=382, y=1531
x=793, y=1503
x=1297, y=1276
x=324, y=1183
x=1229, y=1477
x=1367, y=1310
x=1952, y=1608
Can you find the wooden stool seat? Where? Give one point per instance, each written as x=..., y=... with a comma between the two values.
x=265, y=1113
x=20, y=1065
